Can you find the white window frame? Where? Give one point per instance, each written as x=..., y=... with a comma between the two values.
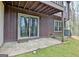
x=58, y=25
x=19, y=37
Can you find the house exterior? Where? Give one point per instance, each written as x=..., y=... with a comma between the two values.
x=24, y=20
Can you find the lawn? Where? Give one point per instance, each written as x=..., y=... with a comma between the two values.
x=68, y=48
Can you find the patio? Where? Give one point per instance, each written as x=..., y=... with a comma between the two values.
x=14, y=48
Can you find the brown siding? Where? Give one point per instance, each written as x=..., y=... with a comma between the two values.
x=10, y=24
x=47, y=26
x=43, y=27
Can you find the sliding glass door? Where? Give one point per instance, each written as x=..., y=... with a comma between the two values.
x=28, y=26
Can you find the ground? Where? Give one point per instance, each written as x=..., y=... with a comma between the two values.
x=14, y=48
x=68, y=48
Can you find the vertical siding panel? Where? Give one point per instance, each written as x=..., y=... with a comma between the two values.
x=14, y=25
x=10, y=24
x=44, y=28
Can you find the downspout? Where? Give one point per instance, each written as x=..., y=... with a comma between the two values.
x=68, y=6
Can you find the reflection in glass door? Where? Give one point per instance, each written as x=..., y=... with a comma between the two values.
x=34, y=27
x=24, y=26
x=28, y=26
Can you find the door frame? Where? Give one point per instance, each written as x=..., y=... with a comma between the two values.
x=19, y=37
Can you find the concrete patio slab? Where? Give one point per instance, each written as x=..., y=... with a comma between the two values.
x=14, y=48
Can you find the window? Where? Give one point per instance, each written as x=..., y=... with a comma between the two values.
x=28, y=26
x=57, y=26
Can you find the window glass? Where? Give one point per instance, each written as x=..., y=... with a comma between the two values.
x=24, y=31
x=58, y=25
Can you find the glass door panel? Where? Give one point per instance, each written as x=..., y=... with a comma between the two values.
x=24, y=26
x=34, y=27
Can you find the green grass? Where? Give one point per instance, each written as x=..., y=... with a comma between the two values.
x=70, y=49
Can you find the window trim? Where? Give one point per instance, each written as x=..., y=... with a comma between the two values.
x=58, y=25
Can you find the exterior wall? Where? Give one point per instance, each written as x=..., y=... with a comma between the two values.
x=44, y=26
x=47, y=26
x=10, y=24
x=11, y=21
x=1, y=22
